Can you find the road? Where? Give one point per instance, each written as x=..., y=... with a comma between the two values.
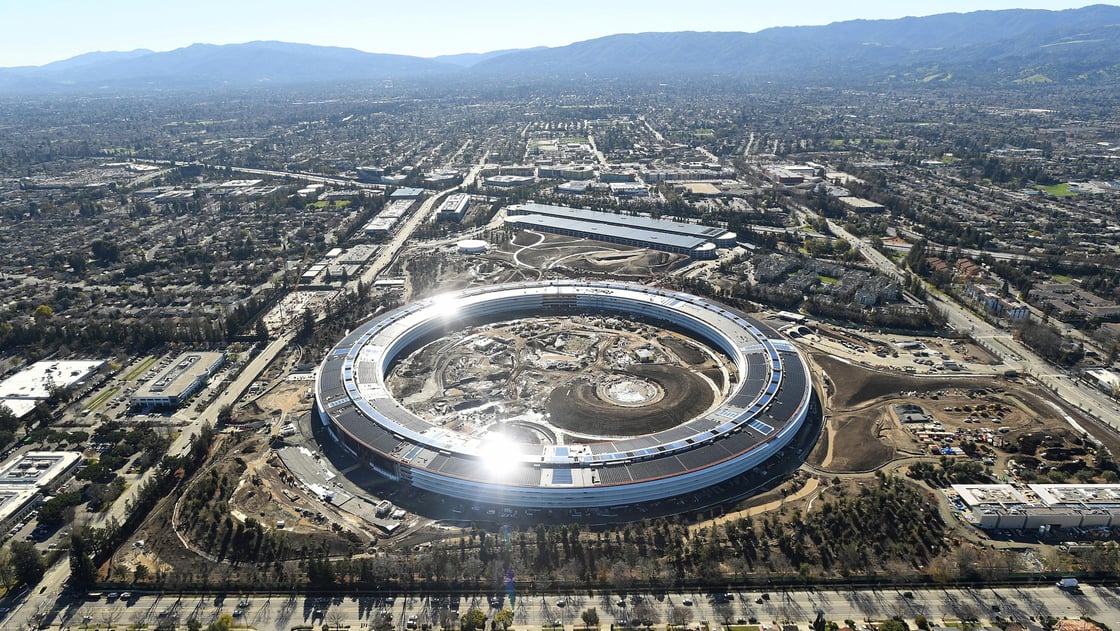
x=310, y=177
x=533, y=610
x=1001, y=343
x=47, y=593
x=389, y=251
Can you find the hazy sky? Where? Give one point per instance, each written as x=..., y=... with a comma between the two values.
x=42, y=31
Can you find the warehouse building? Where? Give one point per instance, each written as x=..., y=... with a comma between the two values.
x=176, y=383
x=695, y=247
x=20, y=392
x=1042, y=506
x=720, y=237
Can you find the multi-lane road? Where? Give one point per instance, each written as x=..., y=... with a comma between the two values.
x=1001, y=343
x=535, y=610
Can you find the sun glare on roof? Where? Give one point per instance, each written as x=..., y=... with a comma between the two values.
x=498, y=452
x=445, y=305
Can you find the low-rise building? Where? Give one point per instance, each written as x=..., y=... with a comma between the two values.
x=176, y=383
x=20, y=392
x=1042, y=506
x=454, y=207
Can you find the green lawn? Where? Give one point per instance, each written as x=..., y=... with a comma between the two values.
x=1062, y=278
x=575, y=139
x=742, y=627
x=828, y=280
x=342, y=203
x=1057, y=190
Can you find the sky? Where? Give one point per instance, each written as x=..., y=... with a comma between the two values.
x=41, y=31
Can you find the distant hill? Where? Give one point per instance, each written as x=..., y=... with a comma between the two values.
x=1012, y=47
x=239, y=65
x=1015, y=40
x=466, y=60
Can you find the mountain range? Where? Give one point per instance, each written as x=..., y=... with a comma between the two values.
x=983, y=47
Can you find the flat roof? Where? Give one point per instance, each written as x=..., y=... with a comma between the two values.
x=12, y=501
x=628, y=221
x=1078, y=494
x=407, y=192
x=180, y=374
x=37, y=380
x=36, y=469
x=989, y=494
x=621, y=232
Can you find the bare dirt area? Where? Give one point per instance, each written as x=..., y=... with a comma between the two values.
x=584, y=257
x=1008, y=425
x=578, y=407
x=860, y=443
x=566, y=378
x=856, y=385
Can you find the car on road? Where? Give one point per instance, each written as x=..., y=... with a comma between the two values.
x=687, y=602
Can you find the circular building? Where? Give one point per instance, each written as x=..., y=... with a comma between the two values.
x=764, y=407
x=472, y=246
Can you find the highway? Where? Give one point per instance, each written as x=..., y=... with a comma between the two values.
x=534, y=610
x=50, y=588
x=1000, y=343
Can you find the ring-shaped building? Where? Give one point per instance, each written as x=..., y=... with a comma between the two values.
x=761, y=414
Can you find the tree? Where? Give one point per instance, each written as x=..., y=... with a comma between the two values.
x=680, y=615
x=82, y=570
x=42, y=314
x=472, y=620
x=894, y=625
x=503, y=619
x=381, y=621
x=590, y=617
x=27, y=562
x=645, y=613
x=7, y=573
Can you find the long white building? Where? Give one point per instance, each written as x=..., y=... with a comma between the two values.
x=1003, y=506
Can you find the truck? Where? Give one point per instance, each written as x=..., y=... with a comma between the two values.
x=1068, y=583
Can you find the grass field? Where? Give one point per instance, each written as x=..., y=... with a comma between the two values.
x=1062, y=278
x=139, y=370
x=323, y=204
x=828, y=280
x=1057, y=190
x=575, y=139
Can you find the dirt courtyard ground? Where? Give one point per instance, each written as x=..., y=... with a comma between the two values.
x=999, y=413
